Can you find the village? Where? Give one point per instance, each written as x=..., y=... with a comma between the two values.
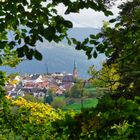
x=39, y=84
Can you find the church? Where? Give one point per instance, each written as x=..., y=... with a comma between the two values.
x=75, y=72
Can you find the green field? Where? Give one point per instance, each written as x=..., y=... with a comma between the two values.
x=91, y=89
x=87, y=103
x=60, y=97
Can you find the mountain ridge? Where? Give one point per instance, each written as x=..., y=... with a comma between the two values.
x=60, y=57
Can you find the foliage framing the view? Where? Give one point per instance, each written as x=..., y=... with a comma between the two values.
x=23, y=23
x=117, y=116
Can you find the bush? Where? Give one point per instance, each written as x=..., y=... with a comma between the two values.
x=30, y=97
x=58, y=103
x=29, y=120
x=70, y=101
x=111, y=120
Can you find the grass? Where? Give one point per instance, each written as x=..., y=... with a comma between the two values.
x=60, y=97
x=87, y=103
x=76, y=106
x=91, y=90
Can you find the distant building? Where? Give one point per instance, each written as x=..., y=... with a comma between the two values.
x=75, y=72
x=68, y=79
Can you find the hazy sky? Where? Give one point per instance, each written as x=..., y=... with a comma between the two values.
x=88, y=17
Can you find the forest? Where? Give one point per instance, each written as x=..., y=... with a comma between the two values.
x=116, y=115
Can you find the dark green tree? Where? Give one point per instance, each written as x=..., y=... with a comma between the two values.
x=48, y=98
x=77, y=90
x=121, y=45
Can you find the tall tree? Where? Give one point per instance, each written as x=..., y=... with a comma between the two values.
x=121, y=45
x=127, y=46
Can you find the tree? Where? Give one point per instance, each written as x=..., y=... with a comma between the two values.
x=77, y=90
x=23, y=23
x=30, y=98
x=48, y=98
x=121, y=45
x=95, y=77
x=58, y=103
x=109, y=76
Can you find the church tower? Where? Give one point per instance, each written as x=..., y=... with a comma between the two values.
x=75, y=72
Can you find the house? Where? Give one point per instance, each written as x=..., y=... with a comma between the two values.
x=60, y=91
x=53, y=86
x=36, y=78
x=32, y=79
x=67, y=86
x=68, y=79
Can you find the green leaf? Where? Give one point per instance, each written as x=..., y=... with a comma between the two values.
x=96, y=43
x=17, y=37
x=93, y=36
x=100, y=48
x=3, y=44
x=95, y=54
x=89, y=49
x=30, y=53
x=37, y=55
x=92, y=41
x=112, y=20
x=89, y=56
x=99, y=35
x=117, y=25
x=19, y=41
x=27, y=40
x=20, y=52
x=74, y=40
x=24, y=30
x=68, y=24
x=0, y=61
x=78, y=46
x=69, y=41
x=108, y=13
x=40, y=38
x=12, y=44
x=86, y=41
x=21, y=8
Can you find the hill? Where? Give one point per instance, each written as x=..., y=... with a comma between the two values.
x=60, y=57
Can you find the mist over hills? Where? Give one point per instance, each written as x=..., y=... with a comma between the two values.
x=60, y=57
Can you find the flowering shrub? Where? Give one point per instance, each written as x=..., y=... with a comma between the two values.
x=32, y=120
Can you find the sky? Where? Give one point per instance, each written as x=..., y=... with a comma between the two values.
x=88, y=17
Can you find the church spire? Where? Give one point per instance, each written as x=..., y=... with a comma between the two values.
x=74, y=65
x=75, y=72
